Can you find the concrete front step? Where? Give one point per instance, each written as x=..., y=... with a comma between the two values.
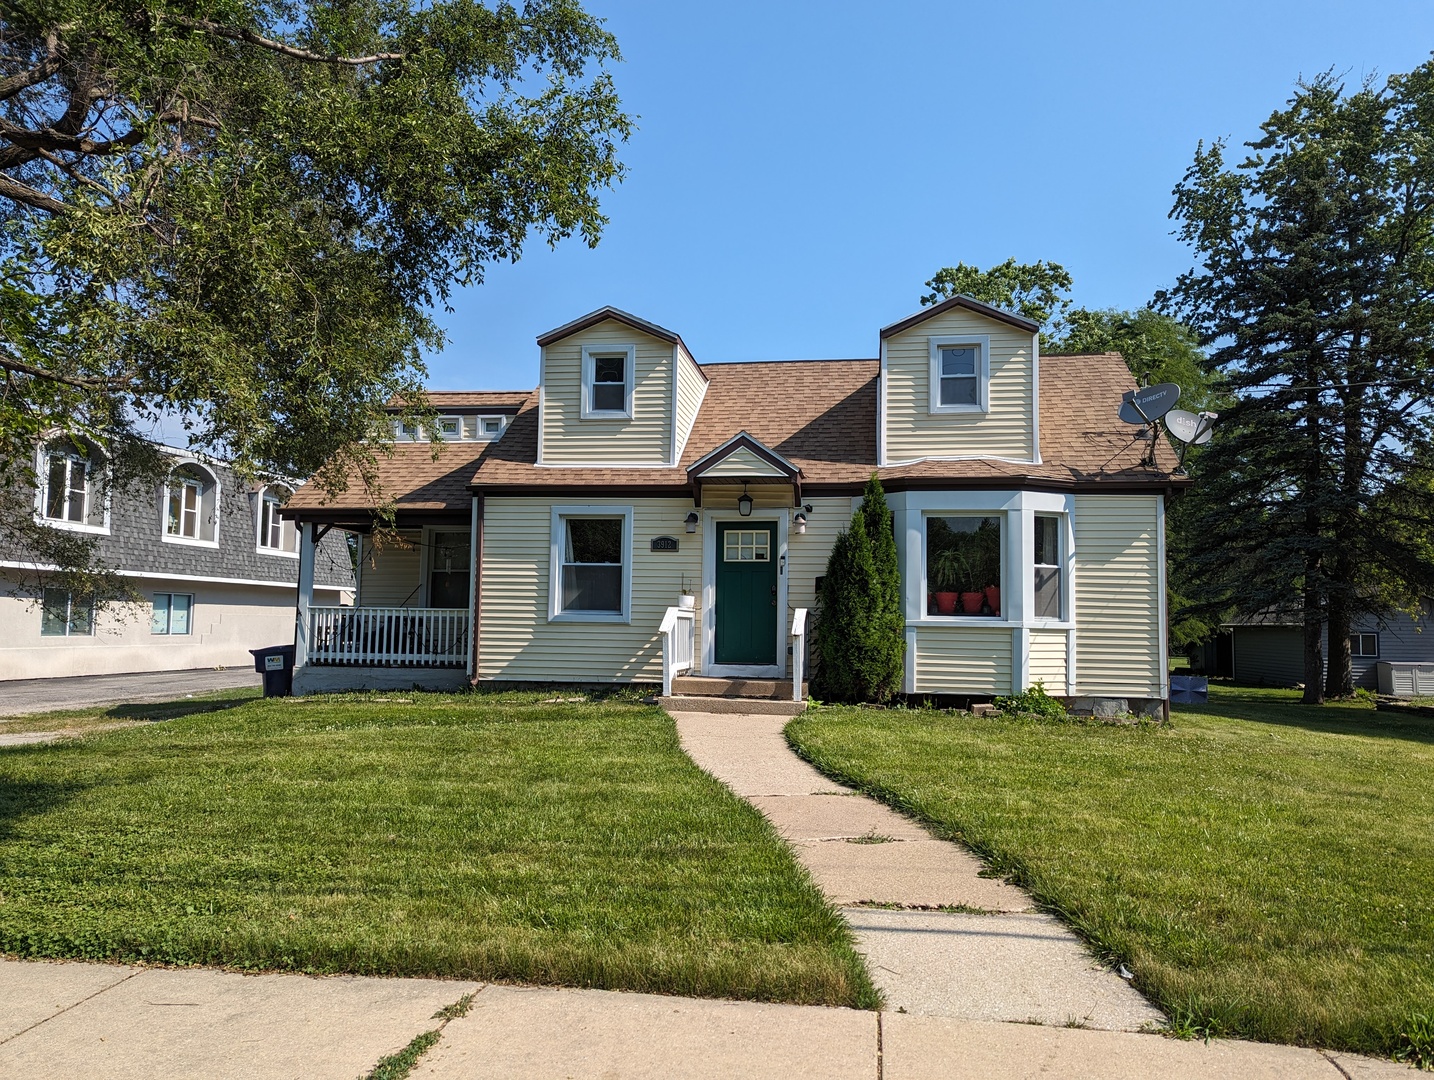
x=706, y=686
x=695, y=703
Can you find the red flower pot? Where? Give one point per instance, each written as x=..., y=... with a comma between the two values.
x=946, y=602
x=993, y=599
x=971, y=603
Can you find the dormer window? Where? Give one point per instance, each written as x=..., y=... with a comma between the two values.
x=191, y=506
x=960, y=372
x=608, y=381
x=405, y=431
x=450, y=428
x=492, y=425
x=276, y=535
x=71, y=495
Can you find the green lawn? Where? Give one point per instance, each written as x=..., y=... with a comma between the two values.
x=482, y=836
x=1265, y=869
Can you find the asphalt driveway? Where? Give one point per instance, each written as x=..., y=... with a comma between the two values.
x=43, y=695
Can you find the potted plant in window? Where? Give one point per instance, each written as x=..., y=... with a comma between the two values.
x=949, y=570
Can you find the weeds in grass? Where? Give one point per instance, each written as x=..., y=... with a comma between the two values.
x=1416, y=1041
x=1034, y=702
x=1194, y=1019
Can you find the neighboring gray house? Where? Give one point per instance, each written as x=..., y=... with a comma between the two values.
x=1268, y=650
x=215, y=564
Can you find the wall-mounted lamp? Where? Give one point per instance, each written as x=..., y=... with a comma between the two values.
x=800, y=521
x=691, y=521
x=744, y=502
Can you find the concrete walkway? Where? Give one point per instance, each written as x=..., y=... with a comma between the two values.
x=22, y=696
x=124, y=1023
x=994, y=958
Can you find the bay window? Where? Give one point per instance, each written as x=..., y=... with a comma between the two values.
x=964, y=562
x=1046, y=564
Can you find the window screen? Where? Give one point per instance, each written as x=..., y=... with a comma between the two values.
x=609, y=392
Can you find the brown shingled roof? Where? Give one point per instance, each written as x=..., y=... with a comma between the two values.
x=818, y=414
x=505, y=401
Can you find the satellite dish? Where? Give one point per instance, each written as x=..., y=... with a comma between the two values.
x=1189, y=428
x=1149, y=404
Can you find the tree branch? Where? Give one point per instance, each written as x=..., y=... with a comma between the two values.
x=46, y=68
x=10, y=364
x=10, y=188
x=251, y=38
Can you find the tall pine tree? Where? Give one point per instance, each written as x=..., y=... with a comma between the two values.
x=1315, y=285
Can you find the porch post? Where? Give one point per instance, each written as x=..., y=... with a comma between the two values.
x=475, y=587
x=306, y=593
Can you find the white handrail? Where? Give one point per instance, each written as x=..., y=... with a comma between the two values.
x=389, y=636
x=799, y=646
x=678, y=632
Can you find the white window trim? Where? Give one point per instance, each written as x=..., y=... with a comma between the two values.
x=259, y=545
x=590, y=355
x=555, y=565
x=42, y=478
x=1364, y=634
x=440, y=436
x=399, y=435
x=188, y=541
x=169, y=615
x=982, y=344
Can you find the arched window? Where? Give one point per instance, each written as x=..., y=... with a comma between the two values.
x=276, y=535
x=191, y=505
x=71, y=480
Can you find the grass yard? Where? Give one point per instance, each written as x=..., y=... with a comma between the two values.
x=481, y=836
x=1266, y=869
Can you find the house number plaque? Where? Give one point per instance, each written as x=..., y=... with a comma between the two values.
x=664, y=543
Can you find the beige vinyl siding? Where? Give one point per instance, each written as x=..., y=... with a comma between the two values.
x=1117, y=591
x=518, y=641
x=392, y=576
x=1048, y=660
x=913, y=431
x=691, y=388
x=963, y=660
x=645, y=439
x=743, y=463
x=807, y=555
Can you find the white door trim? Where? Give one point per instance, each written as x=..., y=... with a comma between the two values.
x=710, y=518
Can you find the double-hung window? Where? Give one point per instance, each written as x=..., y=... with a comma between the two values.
x=69, y=496
x=63, y=615
x=1047, y=567
x=185, y=497
x=276, y=536
x=1364, y=646
x=171, y=613
x=591, y=567
x=608, y=374
x=960, y=371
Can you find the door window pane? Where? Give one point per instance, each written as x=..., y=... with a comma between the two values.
x=592, y=565
x=741, y=545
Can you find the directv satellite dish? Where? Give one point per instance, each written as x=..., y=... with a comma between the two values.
x=1189, y=428
x=1148, y=405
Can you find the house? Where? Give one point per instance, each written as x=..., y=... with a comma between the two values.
x=1268, y=650
x=214, y=562
x=640, y=514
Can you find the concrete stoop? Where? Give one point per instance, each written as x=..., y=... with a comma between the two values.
x=732, y=706
x=707, y=686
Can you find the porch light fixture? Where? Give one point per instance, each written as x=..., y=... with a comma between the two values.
x=800, y=522
x=691, y=521
x=744, y=502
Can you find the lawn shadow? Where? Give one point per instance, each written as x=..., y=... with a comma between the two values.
x=23, y=798
x=1335, y=719
x=157, y=711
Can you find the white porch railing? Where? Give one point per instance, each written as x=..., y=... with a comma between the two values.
x=388, y=636
x=679, y=639
x=799, y=651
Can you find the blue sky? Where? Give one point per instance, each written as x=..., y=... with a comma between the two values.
x=800, y=169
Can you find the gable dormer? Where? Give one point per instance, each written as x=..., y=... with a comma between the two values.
x=615, y=390
x=958, y=380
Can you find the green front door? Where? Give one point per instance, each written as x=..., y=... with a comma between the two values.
x=746, y=604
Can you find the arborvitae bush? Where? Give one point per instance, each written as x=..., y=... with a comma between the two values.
x=860, y=641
